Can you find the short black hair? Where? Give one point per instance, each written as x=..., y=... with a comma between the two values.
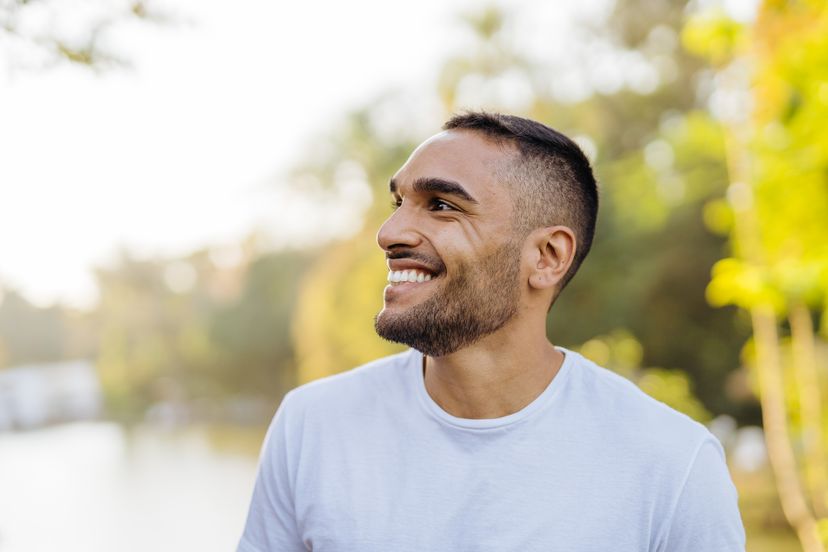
x=552, y=178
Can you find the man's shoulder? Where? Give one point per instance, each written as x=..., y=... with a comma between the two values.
x=617, y=402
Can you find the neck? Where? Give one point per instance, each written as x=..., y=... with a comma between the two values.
x=497, y=376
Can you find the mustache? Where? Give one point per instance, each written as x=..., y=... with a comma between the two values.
x=433, y=263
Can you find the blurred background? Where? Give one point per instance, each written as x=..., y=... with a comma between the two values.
x=189, y=193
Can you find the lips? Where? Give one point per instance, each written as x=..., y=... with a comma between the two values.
x=409, y=260
x=409, y=271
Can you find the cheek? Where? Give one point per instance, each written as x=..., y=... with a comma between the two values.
x=462, y=239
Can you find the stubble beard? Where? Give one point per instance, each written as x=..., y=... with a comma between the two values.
x=473, y=303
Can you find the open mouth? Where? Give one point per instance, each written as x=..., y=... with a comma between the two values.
x=409, y=276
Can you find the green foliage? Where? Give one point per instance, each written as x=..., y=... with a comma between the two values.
x=253, y=330
x=784, y=202
x=743, y=284
x=718, y=216
x=714, y=35
x=822, y=527
x=333, y=328
x=214, y=333
x=31, y=23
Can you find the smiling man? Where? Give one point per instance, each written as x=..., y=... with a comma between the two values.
x=484, y=436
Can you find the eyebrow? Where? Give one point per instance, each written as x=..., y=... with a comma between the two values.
x=436, y=185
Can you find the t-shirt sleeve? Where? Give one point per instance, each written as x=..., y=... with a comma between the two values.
x=271, y=520
x=706, y=516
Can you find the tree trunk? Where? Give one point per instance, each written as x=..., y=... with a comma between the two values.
x=810, y=406
x=780, y=452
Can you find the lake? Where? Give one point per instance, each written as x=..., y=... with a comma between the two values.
x=98, y=486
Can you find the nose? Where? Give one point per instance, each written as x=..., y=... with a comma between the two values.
x=399, y=230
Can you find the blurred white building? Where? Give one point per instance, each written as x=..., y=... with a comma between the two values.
x=37, y=394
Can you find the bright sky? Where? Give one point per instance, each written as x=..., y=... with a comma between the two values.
x=185, y=148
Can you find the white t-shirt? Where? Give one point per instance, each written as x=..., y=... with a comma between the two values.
x=366, y=461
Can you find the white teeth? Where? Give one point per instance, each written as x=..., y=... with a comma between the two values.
x=396, y=276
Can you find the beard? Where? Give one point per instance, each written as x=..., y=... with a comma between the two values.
x=479, y=300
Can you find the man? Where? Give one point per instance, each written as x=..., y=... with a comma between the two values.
x=484, y=436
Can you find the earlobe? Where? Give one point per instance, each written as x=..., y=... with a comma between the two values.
x=540, y=280
x=543, y=279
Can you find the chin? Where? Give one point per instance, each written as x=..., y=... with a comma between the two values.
x=387, y=314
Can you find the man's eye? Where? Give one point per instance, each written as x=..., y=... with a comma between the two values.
x=440, y=205
x=396, y=203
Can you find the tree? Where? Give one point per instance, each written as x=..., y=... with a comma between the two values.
x=40, y=41
x=197, y=329
x=777, y=213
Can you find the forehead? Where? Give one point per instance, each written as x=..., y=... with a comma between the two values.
x=461, y=156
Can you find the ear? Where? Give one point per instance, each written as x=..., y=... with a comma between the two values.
x=553, y=251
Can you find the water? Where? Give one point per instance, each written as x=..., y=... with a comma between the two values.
x=95, y=486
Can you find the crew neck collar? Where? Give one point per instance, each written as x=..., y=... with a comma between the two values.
x=434, y=409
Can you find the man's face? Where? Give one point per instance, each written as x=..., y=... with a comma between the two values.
x=453, y=258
